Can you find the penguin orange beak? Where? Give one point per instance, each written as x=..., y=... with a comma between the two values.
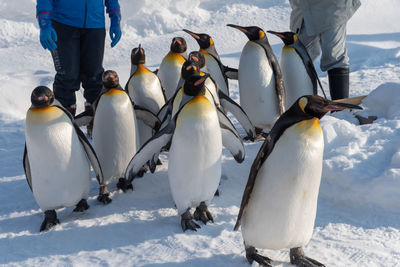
x=194, y=35
x=240, y=28
x=337, y=106
x=279, y=34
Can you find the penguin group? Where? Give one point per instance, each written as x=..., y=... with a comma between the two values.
x=182, y=109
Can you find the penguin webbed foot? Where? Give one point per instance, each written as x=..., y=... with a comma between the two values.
x=216, y=194
x=141, y=172
x=203, y=214
x=81, y=206
x=249, y=138
x=103, y=196
x=124, y=185
x=298, y=258
x=252, y=255
x=187, y=222
x=50, y=220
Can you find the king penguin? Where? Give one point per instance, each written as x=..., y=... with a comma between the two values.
x=145, y=90
x=194, y=168
x=57, y=157
x=279, y=203
x=216, y=69
x=261, y=87
x=299, y=74
x=170, y=67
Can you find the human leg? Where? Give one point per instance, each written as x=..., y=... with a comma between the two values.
x=66, y=63
x=334, y=59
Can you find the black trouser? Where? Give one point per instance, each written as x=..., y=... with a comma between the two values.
x=78, y=58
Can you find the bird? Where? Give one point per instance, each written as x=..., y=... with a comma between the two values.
x=57, y=157
x=170, y=67
x=279, y=203
x=194, y=168
x=219, y=72
x=299, y=74
x=261, y=86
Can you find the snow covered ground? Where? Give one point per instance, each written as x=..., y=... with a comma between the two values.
x=358, y=218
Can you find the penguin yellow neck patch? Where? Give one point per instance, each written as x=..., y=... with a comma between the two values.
x=203, y=51
x=43, y=115
x=309, y=126
x=141, y=69
x=175, y=57
x=113, y=92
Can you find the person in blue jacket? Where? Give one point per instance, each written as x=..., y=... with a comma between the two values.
x=74, y=32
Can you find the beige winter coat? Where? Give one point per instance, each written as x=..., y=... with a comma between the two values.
x=320, y=15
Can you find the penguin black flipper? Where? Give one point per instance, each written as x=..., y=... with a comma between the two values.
x=148, y=117
x=27, y=168
x=84, y=118
x=230, y=137
x=279, y=86
x=237, y=111
x=148, y=150
x=231, y=73
x=287, y=119
x=89, y=150
x=309, y=65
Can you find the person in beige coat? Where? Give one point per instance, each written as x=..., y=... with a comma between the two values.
x=321, y=27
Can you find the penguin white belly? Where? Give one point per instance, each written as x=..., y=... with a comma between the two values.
x=282, y=207
x=114, y=133
x=295, y=76
x=257, y=87
x=210, y=85
x=194, y=168
x=145, y=90
x=59, y=165
x=215, y=72
x=170, y=74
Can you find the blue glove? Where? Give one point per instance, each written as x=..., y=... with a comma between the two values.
x=115, y=27
x=48, y=36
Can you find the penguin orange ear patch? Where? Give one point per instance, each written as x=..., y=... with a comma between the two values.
x=303, y=103
x=261, y=34
x=211, y=41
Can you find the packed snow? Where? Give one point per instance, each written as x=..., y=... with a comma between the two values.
x=358, y=218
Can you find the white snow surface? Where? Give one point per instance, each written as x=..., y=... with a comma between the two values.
x=358, y=218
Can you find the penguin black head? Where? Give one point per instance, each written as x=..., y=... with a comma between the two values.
x=178, y=45
x=194, y=85
x=110, y=79
x=288, y=38
x=204, y=40
x=317, y=106
x=138, y=56
x=196, y=56
x=41, y=97
x=252, y=32
x=189, y=68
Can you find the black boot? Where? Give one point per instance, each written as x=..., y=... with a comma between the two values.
x=339, y=83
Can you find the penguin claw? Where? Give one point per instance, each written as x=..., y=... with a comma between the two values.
x=252, y=255
x=187, y=222
x=81, y=206
x=298, y=258
x=124, y=185
x=216, y=194
x=104, y=198
x=203, y=214
x=307, y=262
x=141, y=172
x=50, y=220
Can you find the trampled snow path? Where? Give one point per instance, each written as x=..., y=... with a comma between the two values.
x=358, y=217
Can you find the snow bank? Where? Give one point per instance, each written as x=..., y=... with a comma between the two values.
x=362, y=163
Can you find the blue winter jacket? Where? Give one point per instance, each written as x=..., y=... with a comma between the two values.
x=77, y=13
